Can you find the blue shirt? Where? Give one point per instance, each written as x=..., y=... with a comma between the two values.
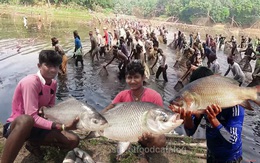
x=224, y=142
x=77, y=43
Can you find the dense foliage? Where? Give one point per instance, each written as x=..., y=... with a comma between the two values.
x=239, y=11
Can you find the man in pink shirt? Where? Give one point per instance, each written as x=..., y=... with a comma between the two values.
x=137, y=92
x=25, y=125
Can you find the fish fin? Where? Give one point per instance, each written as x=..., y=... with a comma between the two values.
x=247, y=105
x=122, y=147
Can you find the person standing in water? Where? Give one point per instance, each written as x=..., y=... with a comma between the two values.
x=236, y=70
x=163, y=66
x=78, y=49
x=94, y=47
x=60, y=51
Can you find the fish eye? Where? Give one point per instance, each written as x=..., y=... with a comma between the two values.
x=95, y=121
x=164, y=117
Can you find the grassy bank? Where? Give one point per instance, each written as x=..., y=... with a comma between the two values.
x=104, y=150
x=62, y=11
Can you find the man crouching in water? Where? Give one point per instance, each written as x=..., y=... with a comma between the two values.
x=117, y=54
x=135, y=78
x=25, y=125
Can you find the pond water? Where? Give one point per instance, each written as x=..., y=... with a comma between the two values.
x=19, y=49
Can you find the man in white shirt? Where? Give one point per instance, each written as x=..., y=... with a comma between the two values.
x=236, y=70
x=163, y=66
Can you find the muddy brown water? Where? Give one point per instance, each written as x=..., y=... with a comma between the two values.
x=88, y=84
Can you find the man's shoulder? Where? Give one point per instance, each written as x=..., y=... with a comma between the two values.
x=30, y=80
x=124, y=92
x=151, y=92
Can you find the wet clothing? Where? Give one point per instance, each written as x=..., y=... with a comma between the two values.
x=30, y=95
x=135, y=42
x=149, y=95
x=162, y=68
x=124, y=50
x=215, y=67
x=221, y=42
x=94, y=47
x=59, y=49
x=237, y=72
x=63, y=66
x=78, y=52
x=224, y=142
x=100, y=40
x=155, y=42
x=106, y=38
x=77, y=44
x=245, y=62
x=79, y=58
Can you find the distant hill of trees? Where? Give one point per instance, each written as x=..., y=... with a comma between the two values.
x=237, y=12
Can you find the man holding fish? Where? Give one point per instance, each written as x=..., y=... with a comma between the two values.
x=134, y=78
x=25, y=125
x=205, y=96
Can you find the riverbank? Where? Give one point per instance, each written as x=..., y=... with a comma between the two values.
x=85, y=84
x=92, y=19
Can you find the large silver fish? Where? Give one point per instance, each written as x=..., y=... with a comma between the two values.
x=128, y=121
x=66, y=111
x=214, y=89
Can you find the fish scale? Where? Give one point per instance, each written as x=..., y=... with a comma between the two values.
x=133, y=119
x=66, y=111
x=214, y=89
x=128, y=121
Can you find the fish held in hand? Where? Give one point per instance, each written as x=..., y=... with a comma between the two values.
x=66, y=111
x=130, y=120
x=214, y=89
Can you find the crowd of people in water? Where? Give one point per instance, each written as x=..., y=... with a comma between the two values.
x=125, y=40
x=136, y=47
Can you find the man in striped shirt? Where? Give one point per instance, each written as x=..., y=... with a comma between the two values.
x=223, y=127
